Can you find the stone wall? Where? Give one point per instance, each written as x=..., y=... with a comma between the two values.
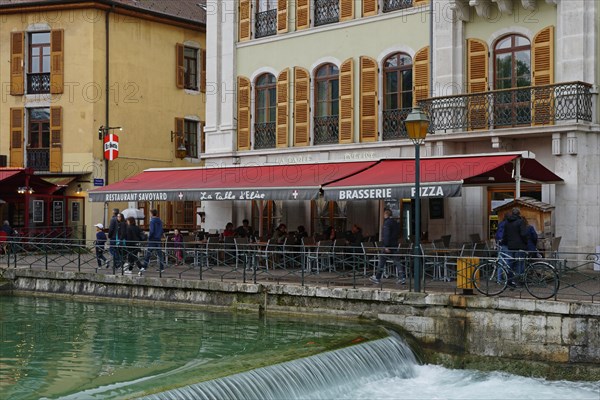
x=558, y=340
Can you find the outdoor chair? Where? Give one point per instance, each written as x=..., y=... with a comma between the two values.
x=264, y=257
x=320, y=257
x=291, y=252
x=433, y=264
x=244, y=253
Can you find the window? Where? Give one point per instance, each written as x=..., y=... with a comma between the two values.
x=190, y=68
x=512, y=69
x=398, y=94
x=266, y=102
x=327, y=12
x=38, y=78
x=38, y=142
x=393, y=5
x=326, y=104
x=266, y=18
x=190, y=133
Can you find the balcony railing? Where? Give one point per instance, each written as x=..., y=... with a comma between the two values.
x=534, y=105
x=38, y=83
x=327, y=12
x=38, y=159
x=327, y=130
x=393, y=123
x=266, y=23
x=393, y=5
x=264, y=135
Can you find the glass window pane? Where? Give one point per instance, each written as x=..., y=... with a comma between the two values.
x=335, y=89
x=504, y=43
x=40, y=38
x=523, y=69
x=261, y=100
x=391, y=82
x=391, y=62
x=335, y=106
x=46, y=65
x=272, y=97
x=407, y=99
x=391, y=102
x=407, y=80
x=46, y=135
x=322, y=94
x=272, y=113
x=503, y=66
x=322, y=72
x=35, y=65
x=521, y=41
x=405, y=60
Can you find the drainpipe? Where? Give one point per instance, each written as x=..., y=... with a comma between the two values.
x=431, y=48
x=518, y=178
x=107, y=96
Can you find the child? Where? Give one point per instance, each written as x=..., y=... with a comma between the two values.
x=178, y=245
x=99, y=243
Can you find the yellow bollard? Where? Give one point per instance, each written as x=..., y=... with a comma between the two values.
x=464, y=273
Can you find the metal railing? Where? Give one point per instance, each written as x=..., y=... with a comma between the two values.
x=393, y=123
x=534, y=105
x=327, y=12
x=326, y=130
x=38, y=159
x=264, y=135
x=266, y=23
x=393, y=5
x=38, y=83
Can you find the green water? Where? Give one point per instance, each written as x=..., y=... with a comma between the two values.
x=51, y=348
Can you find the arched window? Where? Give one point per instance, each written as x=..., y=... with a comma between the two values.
x=265, y=113
x=327, y=92
x=398, y=94
x=512, y=69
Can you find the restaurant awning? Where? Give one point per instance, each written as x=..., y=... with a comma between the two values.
x=11, y=179
x=248, y=182
x=439, y=176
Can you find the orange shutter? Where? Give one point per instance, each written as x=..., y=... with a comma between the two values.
x=368, y=99
x=347, y=101
x=56, y=139
x=179, y=70
x=477, y=82
x=369, y=7
x=203, y=70
x=282, y=16
x=301, y=106
x=542, y=60
x=346, y=10
x=302, y=14
x=421, y=75
x=16, y=137
x=17, y=54
x=243, y=115
x=244, y=20
x=57, y=61
x=283, y=90
x=179, y=134
x=420, y=3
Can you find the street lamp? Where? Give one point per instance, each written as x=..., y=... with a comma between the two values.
x=417, y=125
x=181, y=151
x=103, y=130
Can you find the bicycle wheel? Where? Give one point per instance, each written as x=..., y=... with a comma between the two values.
x=541, y=280
x=490, y=278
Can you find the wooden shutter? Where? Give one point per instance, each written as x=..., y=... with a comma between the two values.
x=542, y=60
x=57, y=62
x=370, y=7
x=347, y=101
x=283, y=90
x=421, y=75
x=179, y=134
x=243, y=115
x=346, y=10
x=302, y=14
x=369, y=99
x=301, y=106
x=420, y=3
x=477, y=82
x=179, y=70
x=244, y=20
x=17, y=54
x=16, y=137
x=203, y=70
x=56, y=139
x=282, y=16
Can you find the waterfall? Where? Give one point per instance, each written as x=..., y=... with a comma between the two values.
x=316, y=377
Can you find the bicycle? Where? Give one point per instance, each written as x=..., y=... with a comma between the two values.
x=493, y=276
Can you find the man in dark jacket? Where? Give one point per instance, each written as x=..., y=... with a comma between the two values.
x=515, y=239
x=113, y=229
x=391, y=231
x=154, y=242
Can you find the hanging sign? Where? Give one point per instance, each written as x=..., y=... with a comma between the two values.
x=111, y=146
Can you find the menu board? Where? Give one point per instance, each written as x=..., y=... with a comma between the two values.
x=57, y=212
x=75, y=211
x=38, y=210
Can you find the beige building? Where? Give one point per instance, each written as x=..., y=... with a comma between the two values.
x=75, y=72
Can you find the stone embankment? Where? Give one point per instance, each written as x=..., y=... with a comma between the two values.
x=556, y=340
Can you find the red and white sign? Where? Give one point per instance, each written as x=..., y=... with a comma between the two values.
x=111, y=146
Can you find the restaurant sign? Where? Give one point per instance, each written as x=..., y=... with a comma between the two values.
x=207, y=195
x=393, y=192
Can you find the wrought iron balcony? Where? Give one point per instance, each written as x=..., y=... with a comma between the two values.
x=327, y=129
x=38, y=83
x=393, y=5
x=264, y=136
x=38, y=159
x=533, y=105
x=327, y=12
x=393, y=123
x=266, y=23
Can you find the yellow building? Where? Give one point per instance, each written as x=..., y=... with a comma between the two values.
x=75, y=72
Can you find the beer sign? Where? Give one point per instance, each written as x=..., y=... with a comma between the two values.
x=111, y=146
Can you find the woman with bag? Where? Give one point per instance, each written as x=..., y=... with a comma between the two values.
x=134, y=237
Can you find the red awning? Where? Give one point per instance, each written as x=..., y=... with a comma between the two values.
x=249, y=182
x=13, y=178
x=439, y=176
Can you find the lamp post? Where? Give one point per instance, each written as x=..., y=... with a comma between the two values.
x=417, y=125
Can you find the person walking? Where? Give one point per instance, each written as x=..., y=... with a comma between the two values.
x=154, y=242
x=178, y=246
x=391, y=231
x=135, y=237
x=121, y=239
x=515, y=240
x=112, y=238
x=99, y=245
x=532, y=239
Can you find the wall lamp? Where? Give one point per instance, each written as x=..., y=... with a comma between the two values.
x=103, y=130
x=181, y=151
x=25, y=189
x=79, y=189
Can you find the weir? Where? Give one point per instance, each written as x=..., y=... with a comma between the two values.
x=325, y=376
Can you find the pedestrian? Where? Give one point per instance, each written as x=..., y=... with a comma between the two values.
x=112, y=238
x=514, y=238
x=500, y=231
x=178, y=246
x=134, y=238
x=99, y=244
x=121, y=239
x=154, y=242
x=6, y=234
x=532, y=238
x=391, y=231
